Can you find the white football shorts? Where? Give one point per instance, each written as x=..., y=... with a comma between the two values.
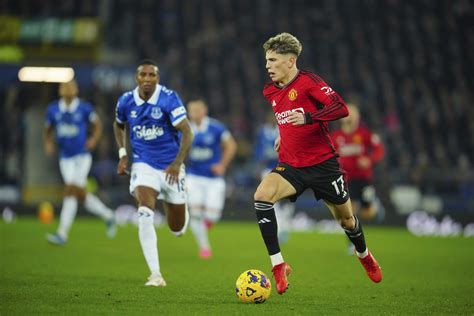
x=145, y=175
x=75, y=169
x=206, y=193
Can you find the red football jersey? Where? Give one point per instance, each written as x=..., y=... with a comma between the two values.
x=309, y=144
x=352, y=146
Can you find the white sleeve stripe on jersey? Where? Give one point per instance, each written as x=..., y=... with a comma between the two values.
x=118, y=120
x=93, y=117
x=178, y=120
x=225, y=136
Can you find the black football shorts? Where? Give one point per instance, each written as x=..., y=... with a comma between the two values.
x=326, y=179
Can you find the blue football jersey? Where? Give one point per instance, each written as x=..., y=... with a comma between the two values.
x=70, y=125
x=153, y=136
x=264, y=151
x=206, y=149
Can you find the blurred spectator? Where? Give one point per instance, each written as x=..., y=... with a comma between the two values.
x=409, y=63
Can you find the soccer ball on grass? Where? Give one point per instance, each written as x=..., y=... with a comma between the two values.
x=253, y=286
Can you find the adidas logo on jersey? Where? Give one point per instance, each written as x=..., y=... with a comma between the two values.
x=264, y=221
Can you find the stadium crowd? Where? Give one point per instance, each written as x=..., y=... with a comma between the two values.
x=407, y=64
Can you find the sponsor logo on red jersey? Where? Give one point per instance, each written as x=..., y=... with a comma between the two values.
x=327, y=90
x=282, y=117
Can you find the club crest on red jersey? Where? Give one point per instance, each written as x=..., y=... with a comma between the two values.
x=292, y=94
x=357, y=138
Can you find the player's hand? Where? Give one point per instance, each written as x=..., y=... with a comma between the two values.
x=364, y=162
x=218, y=169
x=276, y=145
x=172, y=172
x=91, y=143
x=122, y=166
x=49, y=147
x=296, y=118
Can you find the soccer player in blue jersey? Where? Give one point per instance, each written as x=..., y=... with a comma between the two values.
x=67, y=122
x=212, y=151
x=160, y=137
x=266, y=154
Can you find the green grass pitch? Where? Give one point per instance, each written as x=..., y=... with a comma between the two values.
x=95, y=275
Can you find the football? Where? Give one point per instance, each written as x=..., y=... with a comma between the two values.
x=253, y=286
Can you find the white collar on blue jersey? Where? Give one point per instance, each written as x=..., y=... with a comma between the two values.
x=71, y=108
x=204, y=125
x=152, y=100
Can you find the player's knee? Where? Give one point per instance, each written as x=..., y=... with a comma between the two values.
x=68, y=191
x=179, y=227
x=178, y=230
x=347, y=222
x=80, y=194
x=145, y=199
x=263, y=195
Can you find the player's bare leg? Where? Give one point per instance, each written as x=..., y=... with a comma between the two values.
x=272, y=189
x=146, y=198
x=353, y=229
x=177, y=216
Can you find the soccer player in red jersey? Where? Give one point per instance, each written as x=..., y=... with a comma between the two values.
x=359, y=150
x=303, y=104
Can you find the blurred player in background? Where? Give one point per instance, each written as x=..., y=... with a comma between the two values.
x=303, y=104
x=359, y=150
x=67, y=122
x=266, y=156
x=160, y=137
x=212, y=151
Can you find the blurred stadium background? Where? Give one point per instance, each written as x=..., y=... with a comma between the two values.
x=408, y=64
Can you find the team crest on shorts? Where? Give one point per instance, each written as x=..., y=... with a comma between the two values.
x=156, y=113
x=292, y=94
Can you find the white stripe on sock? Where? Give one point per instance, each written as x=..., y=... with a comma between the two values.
x=363, y=254
x=276, y=259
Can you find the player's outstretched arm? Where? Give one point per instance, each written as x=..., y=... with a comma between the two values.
x=48, y=140
x=96, y=134
x=172, y=171
x=229, y=149
x=332, y=112
x=119, y=133
x=333, y=107
x=276, y=144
